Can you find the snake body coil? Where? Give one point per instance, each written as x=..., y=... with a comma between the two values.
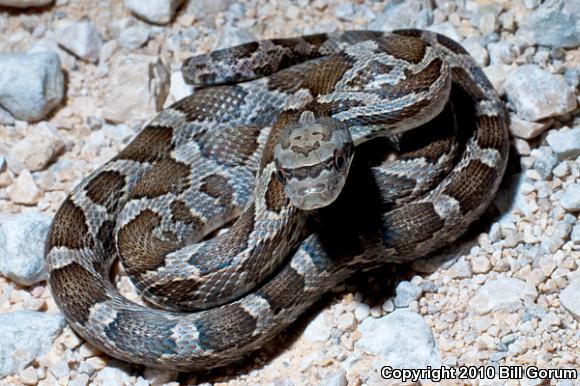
x=225, y=153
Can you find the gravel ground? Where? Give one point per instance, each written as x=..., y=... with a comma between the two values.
x=79, y=78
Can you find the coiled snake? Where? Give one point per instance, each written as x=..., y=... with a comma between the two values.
x=275, y=132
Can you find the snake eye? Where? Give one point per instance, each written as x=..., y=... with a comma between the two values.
x=339, y=160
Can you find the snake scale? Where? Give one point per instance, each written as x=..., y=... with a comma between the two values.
x=270, y=133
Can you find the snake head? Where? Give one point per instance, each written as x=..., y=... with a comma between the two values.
x=312, y=158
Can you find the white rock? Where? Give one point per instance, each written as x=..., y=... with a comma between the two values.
x=536, y=94
x=82, y=39
x=319, y=329
x=570, y=200
x=497, y=75
x=231, y=36
x=31, y=85
x=112, y=376
x=154, y=11
x=26, y=335
x=361, y=311
x=337, y=378
x=406, y=293
x=526, y=129
x=36, y=150
x=565, y=142
x=500, y=293
x=25, y=3
x=139, y=85
x=178, y=88
x=476, y=50
x=134, y=37
x=555, y=23
x=24, y=190
x=575, y=235
x=569, y=298
x=403, y=14
x=22, y=240
x=402, y=339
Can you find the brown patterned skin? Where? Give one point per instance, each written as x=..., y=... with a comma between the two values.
x=209, y=159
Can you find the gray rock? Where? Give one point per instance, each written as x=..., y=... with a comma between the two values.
x=81, y=38
x=476, y=50
x=544, y=161
x=569, y=298
x=403, y=14
x=497, y=75
x=337, y=378
x=555, y=23
x=402, y=339
x=565, y=142
x=319, y=329
x=406, y=293
x=25, y=3
x=31, y=85
x=26, y=335
x=525, y=129
x=502, y=52
x=35, y=151
x=134, y=37
x=536, y=94
x=232, y=36
x=154, y=11
x=575, y=235
x=206, y=10
x=138, y=87
x=570, y=200
x=500, y=293
x=22, y=240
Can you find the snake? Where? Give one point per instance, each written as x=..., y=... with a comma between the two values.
x=265, y=147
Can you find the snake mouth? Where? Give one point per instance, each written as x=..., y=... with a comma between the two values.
x=313, y=198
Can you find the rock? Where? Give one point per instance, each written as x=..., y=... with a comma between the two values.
x=575, y=235
x=81, y=38
x=556, y=23
x=485, y=16
x=461, y=270
x=134, y=37
x=406, y=293
x=570, y=200
x=446, y=29
x=565, y=142
x=113, y=376
x=139, y=85
x=497, y=75
x=26, y=335
x=206, y=10
x=22, y=240
x=502, y=52
x=361, y=311
x=403, y=14
x=231, y=36
x=25, y=3
x=36, y=150
x=476, y=50
x=402, y=339
x=569, y=298
x=337, y=378
x=31, y=85
x=526, y=129
x=24, y=190
x=536, y=94
x=544, y=161
x=319, y=329
x=480, y=264
x=499, y=293
x=154, y=11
